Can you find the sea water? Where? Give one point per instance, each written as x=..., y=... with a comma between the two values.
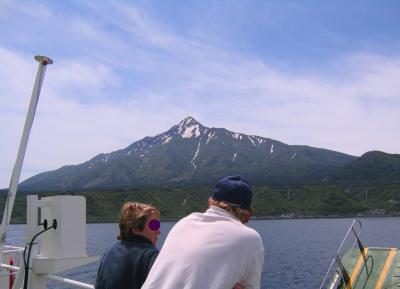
x=298, y=251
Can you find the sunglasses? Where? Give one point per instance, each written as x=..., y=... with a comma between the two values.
x=154, y=225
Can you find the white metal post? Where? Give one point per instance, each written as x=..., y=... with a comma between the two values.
x=43, y=62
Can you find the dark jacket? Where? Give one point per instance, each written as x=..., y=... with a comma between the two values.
x=126, y=264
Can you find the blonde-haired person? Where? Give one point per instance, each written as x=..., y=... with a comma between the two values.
x=127, y=263
x=214, y=249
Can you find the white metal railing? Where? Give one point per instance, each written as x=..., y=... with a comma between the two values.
x=12, y=251
x=55, y=278
x=339, y=273
x=14, y=247
x=70, y=282
x=9, y=267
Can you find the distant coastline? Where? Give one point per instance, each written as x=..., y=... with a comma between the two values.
x=290, y=217
x=269, y=218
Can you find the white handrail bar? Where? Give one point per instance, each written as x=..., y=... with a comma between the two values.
x=12, y=251
x=13, y=247
x=70, y=282
x=55, y=278
x=9, y=267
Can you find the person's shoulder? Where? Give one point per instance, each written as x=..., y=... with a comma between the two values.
x=145, y=253
x=114, y=246
x=251, y=234
x=191, y=217
x=251, y=239
x=151, y=251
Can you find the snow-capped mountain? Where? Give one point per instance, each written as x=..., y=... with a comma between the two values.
x=191, y=154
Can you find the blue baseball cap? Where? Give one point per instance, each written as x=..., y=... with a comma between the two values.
x=234, y=190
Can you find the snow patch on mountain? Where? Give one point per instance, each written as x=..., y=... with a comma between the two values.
x=272, y=148
x=254, y=144
x=186, y=126
x=180, y=128
x=234, y=157
x=293, y=156
x=190, y=131
x=167, y=140
x=187, y=121
x=260, y=140
x=210, y=137
x=196, y=154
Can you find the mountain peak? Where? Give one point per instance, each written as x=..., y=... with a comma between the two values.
x=188, y=121
x=189, y=127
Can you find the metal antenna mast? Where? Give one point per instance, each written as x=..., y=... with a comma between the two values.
x=43, y=62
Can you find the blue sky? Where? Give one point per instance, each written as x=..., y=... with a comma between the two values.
x=318, y=73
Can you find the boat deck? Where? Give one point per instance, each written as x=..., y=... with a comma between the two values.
x=375, y=268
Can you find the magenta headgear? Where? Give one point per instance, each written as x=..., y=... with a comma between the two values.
x=234, y=190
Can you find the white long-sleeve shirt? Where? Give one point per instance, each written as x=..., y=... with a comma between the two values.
x=211, y=250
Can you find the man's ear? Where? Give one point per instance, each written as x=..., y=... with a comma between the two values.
x=247, y=218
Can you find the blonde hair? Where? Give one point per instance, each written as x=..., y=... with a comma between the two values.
x=134, y=216
x=241, y=214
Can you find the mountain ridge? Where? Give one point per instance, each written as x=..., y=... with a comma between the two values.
x=190, y=153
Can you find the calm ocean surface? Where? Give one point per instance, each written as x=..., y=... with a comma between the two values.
x=298, y=252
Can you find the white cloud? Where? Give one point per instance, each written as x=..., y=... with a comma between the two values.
x=77, y=77
x=14, y=75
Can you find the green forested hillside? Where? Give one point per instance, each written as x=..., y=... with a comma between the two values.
x=319, y=200
x=373, y=167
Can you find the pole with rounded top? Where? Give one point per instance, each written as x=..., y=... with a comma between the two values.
x=43, y=62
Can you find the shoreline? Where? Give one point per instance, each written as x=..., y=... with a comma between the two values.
x=270, y=218
x=260, y=218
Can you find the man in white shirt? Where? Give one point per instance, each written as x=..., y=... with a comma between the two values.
x=214, y=249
